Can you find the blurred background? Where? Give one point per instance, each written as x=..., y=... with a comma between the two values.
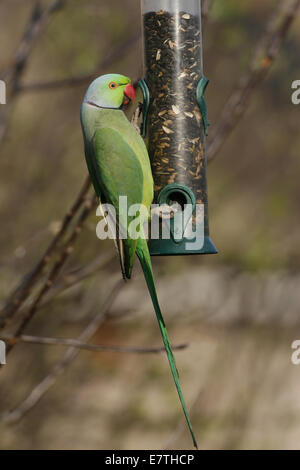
x=237, y=311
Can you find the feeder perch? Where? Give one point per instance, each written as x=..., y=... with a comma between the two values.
x=175, y=115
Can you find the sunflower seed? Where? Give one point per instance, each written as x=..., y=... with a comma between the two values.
x=176, y=110
x=167, y=130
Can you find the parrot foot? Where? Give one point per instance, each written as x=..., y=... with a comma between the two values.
x=135, y=119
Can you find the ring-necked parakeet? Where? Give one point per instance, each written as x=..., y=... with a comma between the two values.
x=119, y=165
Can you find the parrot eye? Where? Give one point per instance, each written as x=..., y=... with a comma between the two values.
x=112, y=85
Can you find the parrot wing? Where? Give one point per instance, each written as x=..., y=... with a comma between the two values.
x=118, y=172
x=107, y=216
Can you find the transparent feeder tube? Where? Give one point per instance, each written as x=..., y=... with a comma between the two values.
x=173, y=69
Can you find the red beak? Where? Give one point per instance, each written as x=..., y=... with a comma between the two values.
x=129, y=92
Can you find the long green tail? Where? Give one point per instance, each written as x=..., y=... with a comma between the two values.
x=144, y=257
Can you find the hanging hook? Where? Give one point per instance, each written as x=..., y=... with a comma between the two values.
x=146, y=94
x=201, y=88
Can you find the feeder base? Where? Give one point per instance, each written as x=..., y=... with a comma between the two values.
x=169, y=248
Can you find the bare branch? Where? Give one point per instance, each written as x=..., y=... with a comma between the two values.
x=88, y=347
x=20, y=294
x=73, y=278
x=198, y=401
x=84, y=78
x=178, y=430
x=267, y=51
x=37, y=22
x=14, y=72
x=206, y=6
x=42, y=388
x=47, y=284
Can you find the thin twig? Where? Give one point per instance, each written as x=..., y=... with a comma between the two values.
x=47, y=284
x=266, y=52
x=71, y=279
x=43, y=387
x=12, y=75
x=21, y=293
x=198, y=400
x=178, y=430
x=36, y=238
x=84, y=78
x=205, y=7
x=37, y=22
x=88, y=347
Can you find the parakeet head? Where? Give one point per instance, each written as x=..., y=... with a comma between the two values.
x=110, y=91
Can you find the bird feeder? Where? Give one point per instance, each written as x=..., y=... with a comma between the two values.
x=174, y=115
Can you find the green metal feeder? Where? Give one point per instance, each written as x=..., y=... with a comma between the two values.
x=175, y=120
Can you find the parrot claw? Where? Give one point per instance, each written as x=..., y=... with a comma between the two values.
x=135, y=119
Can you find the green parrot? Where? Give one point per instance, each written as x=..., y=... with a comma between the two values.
x=119, y=165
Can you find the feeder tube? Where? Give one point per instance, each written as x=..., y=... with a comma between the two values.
x=176, y=119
